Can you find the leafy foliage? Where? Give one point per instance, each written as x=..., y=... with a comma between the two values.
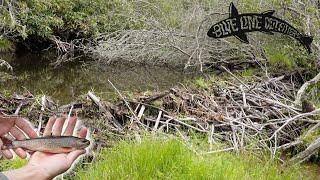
x=66, y=18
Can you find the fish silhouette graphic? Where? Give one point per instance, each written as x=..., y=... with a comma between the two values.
x=239, y=24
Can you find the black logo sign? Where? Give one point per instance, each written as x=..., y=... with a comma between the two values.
x=239, y=24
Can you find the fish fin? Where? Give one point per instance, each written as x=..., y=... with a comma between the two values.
x=242, y=37
x=269, y=12
x=233, y=12
x=306, y=42
x=67, y=149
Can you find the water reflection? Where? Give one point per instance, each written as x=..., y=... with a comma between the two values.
x=33, y=73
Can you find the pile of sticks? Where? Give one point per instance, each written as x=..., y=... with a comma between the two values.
x=175, y=48
x=244, y=115
x=189, y=45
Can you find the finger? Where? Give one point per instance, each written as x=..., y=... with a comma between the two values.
x=83, y=132
x=17, y=133
x=20, y=152
x=72, y=156
x=7, y=153
x=48, y=129
x=26, y=127
x=58, y=125
x=70, y=127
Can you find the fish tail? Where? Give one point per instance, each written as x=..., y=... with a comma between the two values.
x=7, y=143
x=306, y=41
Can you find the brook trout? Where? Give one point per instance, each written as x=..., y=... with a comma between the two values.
x=50, y=144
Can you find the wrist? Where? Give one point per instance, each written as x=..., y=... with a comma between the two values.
x=26, y=172
x=39, y=172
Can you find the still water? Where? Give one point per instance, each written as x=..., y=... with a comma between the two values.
x=32, y=72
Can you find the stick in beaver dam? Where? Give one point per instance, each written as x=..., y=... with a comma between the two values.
x=50, y=144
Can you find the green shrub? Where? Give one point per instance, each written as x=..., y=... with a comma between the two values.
x=70, y=19
x=67, y=18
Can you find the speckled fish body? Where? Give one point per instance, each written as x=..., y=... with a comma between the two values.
x=51, y=144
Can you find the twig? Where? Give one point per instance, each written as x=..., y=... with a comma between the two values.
x=294, y=118
x=157, y=121
x=140, y=114
x=229, y=72
x=43, y=104
x=124, y=100
x=218, y=151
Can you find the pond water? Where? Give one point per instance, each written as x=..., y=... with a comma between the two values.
x=32, y=72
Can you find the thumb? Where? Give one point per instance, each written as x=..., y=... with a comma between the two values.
x=72, y=156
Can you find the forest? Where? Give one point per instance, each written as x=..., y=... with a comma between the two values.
x=169, y=89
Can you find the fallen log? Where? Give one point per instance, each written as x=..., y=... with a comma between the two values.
x=304, y=155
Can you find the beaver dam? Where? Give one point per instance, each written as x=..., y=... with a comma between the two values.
x=131, y=70
x=260, y=114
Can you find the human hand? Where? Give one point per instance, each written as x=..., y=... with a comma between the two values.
x=18, y=129
x=51, y=165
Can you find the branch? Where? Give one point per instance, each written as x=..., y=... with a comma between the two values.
x=305, y=86
x=304, y=155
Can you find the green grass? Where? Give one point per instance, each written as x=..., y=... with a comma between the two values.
x=156, y=158
x=310, y=138
x=170, y=159
x=11, y=164
x=278, y=58
x=203, y=83
x=247, y=74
